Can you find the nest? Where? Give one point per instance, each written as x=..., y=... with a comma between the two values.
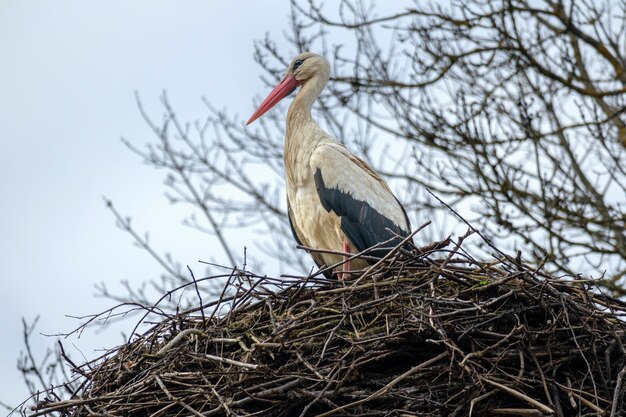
x=436, y=333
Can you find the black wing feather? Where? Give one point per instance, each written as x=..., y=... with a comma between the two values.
x=364, y=226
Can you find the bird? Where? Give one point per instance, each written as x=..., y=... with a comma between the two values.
x=337, y=204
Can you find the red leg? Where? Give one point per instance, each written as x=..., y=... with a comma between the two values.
x=346, y=264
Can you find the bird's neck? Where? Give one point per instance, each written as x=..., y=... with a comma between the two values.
x=299, y=114
x=302, y=134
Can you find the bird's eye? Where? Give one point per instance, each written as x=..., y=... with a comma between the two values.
x=297, y=64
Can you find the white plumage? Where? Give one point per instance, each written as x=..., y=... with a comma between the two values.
x=342, y=170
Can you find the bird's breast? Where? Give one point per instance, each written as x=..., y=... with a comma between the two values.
x=321, y=229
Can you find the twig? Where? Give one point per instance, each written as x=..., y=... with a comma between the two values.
x=231, y=361
x=176, y=339
x=543, y=408
x=389, y=386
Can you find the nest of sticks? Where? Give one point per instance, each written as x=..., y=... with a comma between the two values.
x=432, y=333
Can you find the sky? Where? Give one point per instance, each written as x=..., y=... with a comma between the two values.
x=68, y=74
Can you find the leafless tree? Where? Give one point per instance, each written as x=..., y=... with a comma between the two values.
x=512, y=112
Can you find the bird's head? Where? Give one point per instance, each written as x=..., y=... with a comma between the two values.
x=303, y=68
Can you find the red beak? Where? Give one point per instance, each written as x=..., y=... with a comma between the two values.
x=282, y=90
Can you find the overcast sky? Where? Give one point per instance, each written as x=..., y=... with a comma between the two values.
x=68, y=73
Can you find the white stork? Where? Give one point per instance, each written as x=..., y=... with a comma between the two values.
x=336, y=202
